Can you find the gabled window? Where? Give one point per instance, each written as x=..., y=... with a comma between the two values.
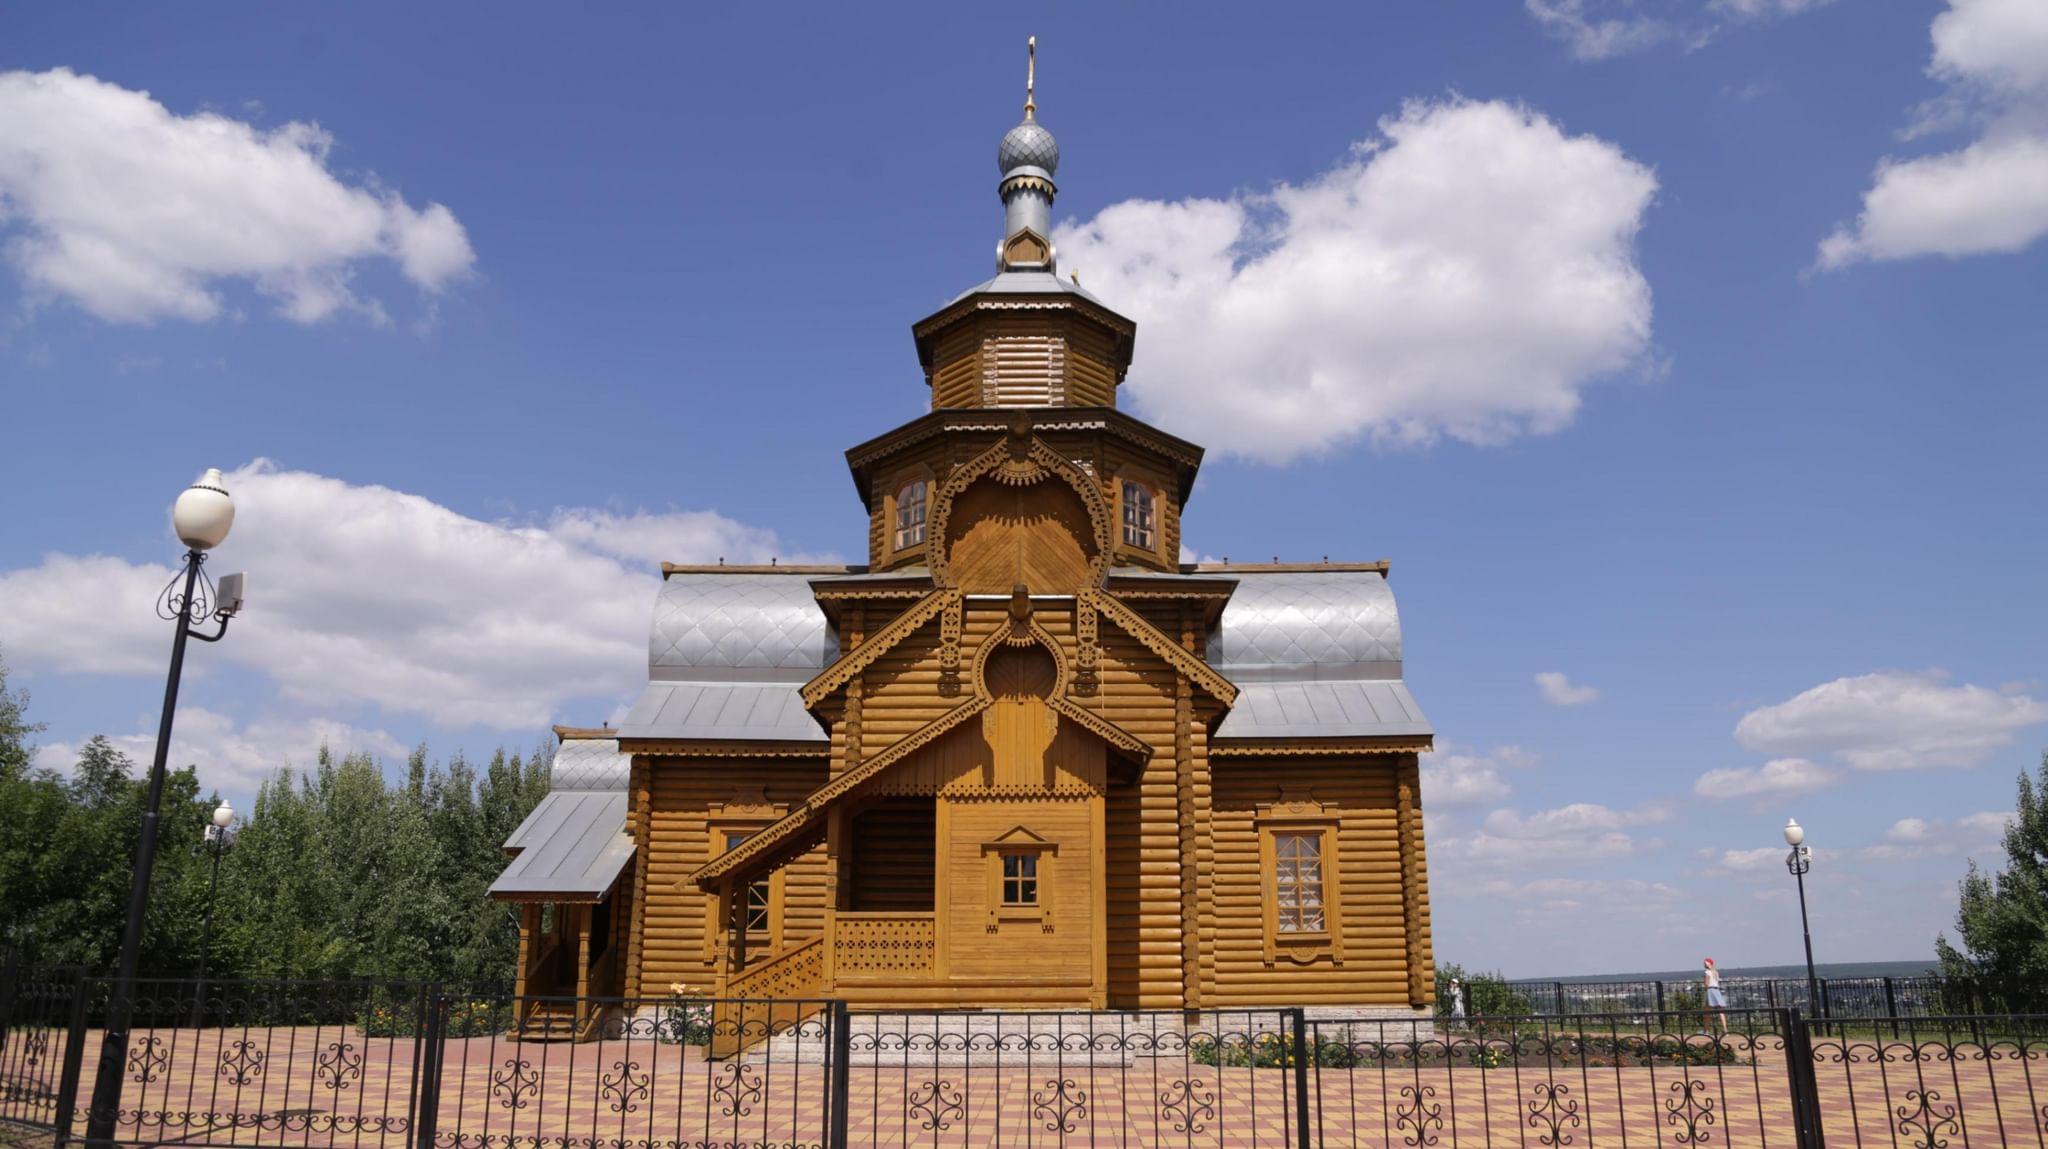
x=1139, y=530
x=910, y=515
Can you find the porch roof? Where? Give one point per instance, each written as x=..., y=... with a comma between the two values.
x=574, y=845
x=572, y=848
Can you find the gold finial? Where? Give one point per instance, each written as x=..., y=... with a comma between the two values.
x=1030, y=76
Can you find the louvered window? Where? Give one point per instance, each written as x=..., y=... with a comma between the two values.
x=910, y=516
x=1138, y=517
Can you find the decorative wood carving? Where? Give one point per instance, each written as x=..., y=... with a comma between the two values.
x=1020, y=459
x=851, y=758
x=949, y=646
x=707, y=876
x=1134, y=624
x=879, y=643
x=1088, y=643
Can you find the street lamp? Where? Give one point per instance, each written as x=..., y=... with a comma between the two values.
x=1799, y=861
x=201, y=518
x=220, y=838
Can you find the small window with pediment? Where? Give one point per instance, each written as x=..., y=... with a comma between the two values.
x=910, y=507
x=1140, y=528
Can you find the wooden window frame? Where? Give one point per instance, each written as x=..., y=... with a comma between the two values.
x=1123, y=481
x=768, y=941
x=1020, y=841
x=1300, y=946
x=903, y=482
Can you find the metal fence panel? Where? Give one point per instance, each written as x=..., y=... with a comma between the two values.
x=405, y=1064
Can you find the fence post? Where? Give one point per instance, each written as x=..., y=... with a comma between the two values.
x=1660, y=1002
x=1558, y=989
x=1822, y=1007
x=74, y=1061
x=840, y=1066
x=10, y=987
x=1771, y=991
x=1800, y=1079
x=1301, y=1133
x=433, y=1035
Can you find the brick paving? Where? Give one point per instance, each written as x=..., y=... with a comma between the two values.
x=332, y=1086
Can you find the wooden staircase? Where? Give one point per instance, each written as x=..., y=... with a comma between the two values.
x=796, y=972
x=546, y=1021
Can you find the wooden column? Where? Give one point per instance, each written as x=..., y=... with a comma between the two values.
x=1407, y=823
x=640, y=824
x=529, y=945
x=582, y=963
x=1184, y=807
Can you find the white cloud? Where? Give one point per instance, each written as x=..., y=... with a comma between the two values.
x=1991, y=195
x=1627, y=894
x=1469, y=272
x=1581, y=831
x=1559, y=690
x=1451, y=777
x=1596, y=37
x=1892, y=721
x=1765, y=9
x=136, y=213
x=1780, y=777
x=236, y=760
x=363, y=594
x=1750, y=861
x=1604, y=29
x=1909, y=839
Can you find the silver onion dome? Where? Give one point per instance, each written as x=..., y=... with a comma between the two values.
x=1028, y=145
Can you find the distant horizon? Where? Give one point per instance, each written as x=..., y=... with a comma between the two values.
x=1911, y=968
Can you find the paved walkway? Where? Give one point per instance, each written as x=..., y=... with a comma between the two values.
x=332, y=1086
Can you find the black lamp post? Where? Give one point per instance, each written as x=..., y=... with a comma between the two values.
x=201, y=518
x=220, y=838
x=1799, y=861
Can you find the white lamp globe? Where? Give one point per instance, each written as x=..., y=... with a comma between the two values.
x=223, y=815
x=1794, y=832
x=204, y=512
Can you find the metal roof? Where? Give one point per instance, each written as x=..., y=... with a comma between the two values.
x=571, y=848
x=1294, y=625
x=1315, y=654
x=738, y=628
x=589, y=764
x=574, y=845
x=1028, y=283
x=1380, y=708
x=766, y=711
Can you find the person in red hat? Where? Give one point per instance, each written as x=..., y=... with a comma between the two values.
x=1717, y=1002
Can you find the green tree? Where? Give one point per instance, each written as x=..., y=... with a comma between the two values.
x=2003, y=919
x=1486, y=994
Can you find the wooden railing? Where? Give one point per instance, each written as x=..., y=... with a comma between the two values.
x=883, y=946
x=796, y=972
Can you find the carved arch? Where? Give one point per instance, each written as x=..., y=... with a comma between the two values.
x=1020, y=460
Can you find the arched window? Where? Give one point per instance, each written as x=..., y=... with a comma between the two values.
x=1138, y=518
x=910, y=515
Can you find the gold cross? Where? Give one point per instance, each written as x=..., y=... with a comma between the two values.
x=1030, y=75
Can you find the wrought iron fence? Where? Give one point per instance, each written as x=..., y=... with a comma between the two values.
x=402, y=1064
x=1928, y=996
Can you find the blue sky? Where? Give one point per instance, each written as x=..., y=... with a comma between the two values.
x=1603, y=321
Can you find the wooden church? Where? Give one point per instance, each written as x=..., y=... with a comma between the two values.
x=1023, y=756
